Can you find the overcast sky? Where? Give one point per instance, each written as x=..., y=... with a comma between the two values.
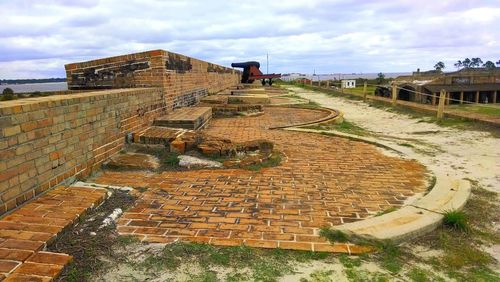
x=37, y=37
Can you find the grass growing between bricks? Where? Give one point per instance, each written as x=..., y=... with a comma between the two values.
x=345, y=127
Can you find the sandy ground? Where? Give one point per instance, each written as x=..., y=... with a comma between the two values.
x=460, y=153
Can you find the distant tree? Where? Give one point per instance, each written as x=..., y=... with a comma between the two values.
x=8, y=94
x=476, y=62
x=489, y=65
x=380, y=78
x=439, y=66
x=458, y=64
x=466, y=63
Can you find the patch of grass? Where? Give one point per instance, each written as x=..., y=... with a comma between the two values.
x=386, y=211
x=390, y=255
x=406, y=145
x=333, y=235
x=272, y=161
x=322, y=276
x=207, y=276
x=456, y=220
x=170, y=159
x=417, y=274
x=490, y=110
x=125, y=240
x=259, y=264
x=348, y=262
x=345, y=127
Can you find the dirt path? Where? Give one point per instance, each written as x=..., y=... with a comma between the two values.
x=461, y=153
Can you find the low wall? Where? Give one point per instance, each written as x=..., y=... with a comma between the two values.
x=45, y=140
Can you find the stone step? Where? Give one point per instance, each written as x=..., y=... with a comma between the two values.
x=188, y=118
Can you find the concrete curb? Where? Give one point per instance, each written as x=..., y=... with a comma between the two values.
x=411, y=221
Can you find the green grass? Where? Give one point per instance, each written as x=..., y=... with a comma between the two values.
x=456, y=220
x=370, y=90
x=333, y=235
x=272, y=161
x=243, y=263
x=345, y=127
x=170, y=159
x=406, y=145
x=485, y=109
x=125, y=240
x=391, y=209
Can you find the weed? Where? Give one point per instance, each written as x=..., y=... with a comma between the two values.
x=322, y=276
x=125, y=240
x=390, y=255
x=333, y=235
x=348, y=262
x=171, y=159
x=272, y=161
x=391, y=209
x=406, y=145
x=345, y=126
x=456, y=220
x=207, y=276
x=418, y=275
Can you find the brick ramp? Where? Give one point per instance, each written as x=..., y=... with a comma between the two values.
x=26, y=232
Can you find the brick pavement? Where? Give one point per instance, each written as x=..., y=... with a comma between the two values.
x=324, y=181
x=26, y=231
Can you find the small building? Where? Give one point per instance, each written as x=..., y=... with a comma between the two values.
x=348, y=83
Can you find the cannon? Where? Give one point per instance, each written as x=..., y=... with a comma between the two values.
x=251, y=72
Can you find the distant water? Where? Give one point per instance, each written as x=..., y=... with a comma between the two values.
x=32, y=87
x=343, y=76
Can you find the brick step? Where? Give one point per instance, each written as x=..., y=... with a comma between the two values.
x=157, y=135
x=188, y=118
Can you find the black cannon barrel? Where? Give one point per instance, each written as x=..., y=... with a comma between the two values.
x=245, y=64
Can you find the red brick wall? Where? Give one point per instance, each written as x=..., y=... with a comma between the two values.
x=45, y=140
x=177, y=74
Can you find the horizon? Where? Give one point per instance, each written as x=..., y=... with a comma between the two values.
x=38, y=39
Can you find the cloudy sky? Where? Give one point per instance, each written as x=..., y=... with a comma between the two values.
x=37, y=37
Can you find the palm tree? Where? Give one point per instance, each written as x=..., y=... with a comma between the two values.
x=458, y=64
x=439, y=66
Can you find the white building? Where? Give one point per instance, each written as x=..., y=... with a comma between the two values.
x=348, y=83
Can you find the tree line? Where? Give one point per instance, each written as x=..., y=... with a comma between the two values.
x=468, y=64
x=31, y=80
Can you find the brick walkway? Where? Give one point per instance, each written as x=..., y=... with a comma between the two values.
x=25, y=233
x=324, y=181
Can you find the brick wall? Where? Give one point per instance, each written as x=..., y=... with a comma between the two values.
x=45, y=140
x=177, y=74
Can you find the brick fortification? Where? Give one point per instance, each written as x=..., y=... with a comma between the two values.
x=184, y=80
x=47, y=140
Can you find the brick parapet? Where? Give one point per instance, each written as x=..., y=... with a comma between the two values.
x=45, y=140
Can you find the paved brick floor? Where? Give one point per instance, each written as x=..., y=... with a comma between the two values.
x=26, y=231
x=323, y=181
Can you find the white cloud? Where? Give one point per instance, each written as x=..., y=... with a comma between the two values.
x=38, y=37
